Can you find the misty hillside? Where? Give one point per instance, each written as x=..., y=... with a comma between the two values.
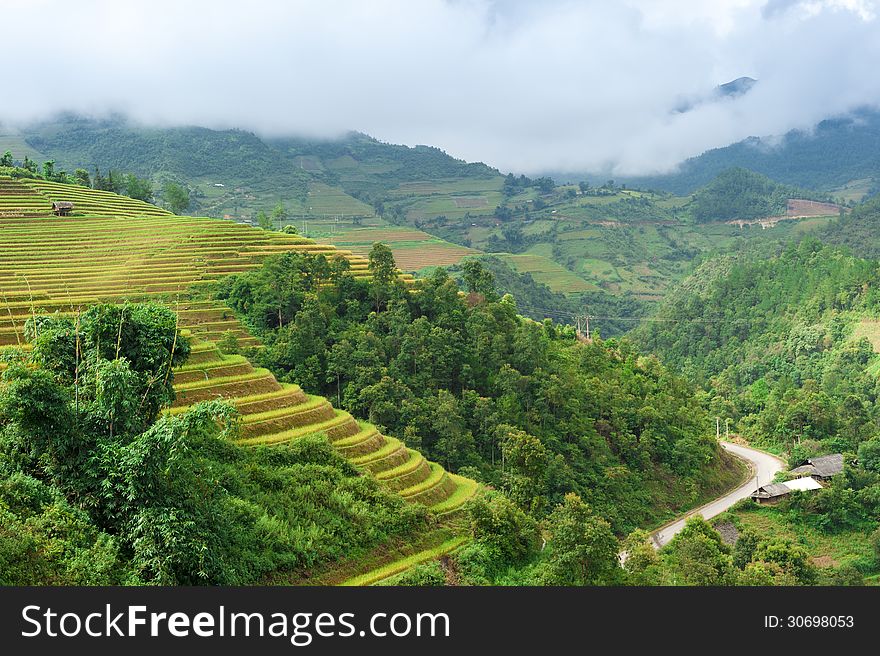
x=237, y=172
x=838, y=153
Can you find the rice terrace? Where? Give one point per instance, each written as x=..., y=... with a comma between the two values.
x=115, y=249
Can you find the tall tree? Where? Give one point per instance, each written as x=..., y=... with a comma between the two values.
x=138, y=188
x=177, y=197
x=384, y=270
x=279, y=215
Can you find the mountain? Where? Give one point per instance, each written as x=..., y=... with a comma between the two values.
x=840, y=155
x=236, y=172
x=737, y=87
x=727, y=91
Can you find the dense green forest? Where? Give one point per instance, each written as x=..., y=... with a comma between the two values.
x=97, y=487
x=781, y=343
x=517, y=404
x=858, y=230
x=738, y=193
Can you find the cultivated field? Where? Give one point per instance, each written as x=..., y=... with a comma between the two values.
x=548, y=272
x=413, y=249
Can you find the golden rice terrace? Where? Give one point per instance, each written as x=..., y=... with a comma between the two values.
x=115, y=249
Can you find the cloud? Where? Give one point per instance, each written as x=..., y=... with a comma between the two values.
x=525, y=86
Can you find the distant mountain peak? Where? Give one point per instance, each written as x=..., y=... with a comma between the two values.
x=727, y=91
x=737, y=87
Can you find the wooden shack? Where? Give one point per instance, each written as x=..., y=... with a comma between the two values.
x=62, y=207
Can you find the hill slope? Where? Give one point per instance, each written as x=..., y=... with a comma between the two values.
x=237, y=172
x=837, y=153
x=137, y=251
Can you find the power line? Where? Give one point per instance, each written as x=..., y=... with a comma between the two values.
x=572, y=315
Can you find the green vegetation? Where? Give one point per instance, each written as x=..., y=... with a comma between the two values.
x=785, y=346
x=95, y=488
x=828, y=158
x=519, y=405
x=771, y=338
x=563, y=448
x=742, y=194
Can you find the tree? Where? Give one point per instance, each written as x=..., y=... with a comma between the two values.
x=545, y=185
x=477, y=279
x=506, y=529
x=384, y=271
x=583, y=549
x=869, y=455
x=177, y=197
x=279, y=214
x=138, y=188
x=697, y=555
x=641, y=563
x=6, y=160
x=791, y=557
x=49, y=169
x=263, y=220
x=744, y=549
x=82, y=178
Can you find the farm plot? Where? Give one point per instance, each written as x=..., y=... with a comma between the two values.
x=413, y=249
x=550, y=273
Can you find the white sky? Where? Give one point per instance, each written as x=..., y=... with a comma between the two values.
x=524, y=86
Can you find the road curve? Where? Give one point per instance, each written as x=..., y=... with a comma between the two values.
x=764, y=468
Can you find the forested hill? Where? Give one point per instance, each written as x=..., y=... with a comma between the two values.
x=193, y=152
x=256, y=171
x=785, y=346
x=776, y=341
x=738, y=193
x=839, y=151
x=858, y=231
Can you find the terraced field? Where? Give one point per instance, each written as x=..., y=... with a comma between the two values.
x=113, y=249
x=413, y=249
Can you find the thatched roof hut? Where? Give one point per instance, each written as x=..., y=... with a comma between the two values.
x=62, y=207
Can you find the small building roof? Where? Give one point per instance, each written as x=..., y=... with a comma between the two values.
x=827, y=465
x=803, y=470
x=62, y=204
x=801, y=484
x=773, y=490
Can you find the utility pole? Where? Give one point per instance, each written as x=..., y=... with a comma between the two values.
x=727, y=429
x=717, y=428
x=582, y=328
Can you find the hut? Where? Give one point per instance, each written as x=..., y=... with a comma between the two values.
x=775, y=491
x=62, y=207
x=821, y=468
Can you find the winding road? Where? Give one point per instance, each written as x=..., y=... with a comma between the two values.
x=763, y=465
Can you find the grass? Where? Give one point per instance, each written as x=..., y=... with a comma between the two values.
x=550, y=273
x=433, y=480
x=826, y=550
x=390, y=447
x=465, y=491
x=399, y=566
x=413, y=249
x=415, y=460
